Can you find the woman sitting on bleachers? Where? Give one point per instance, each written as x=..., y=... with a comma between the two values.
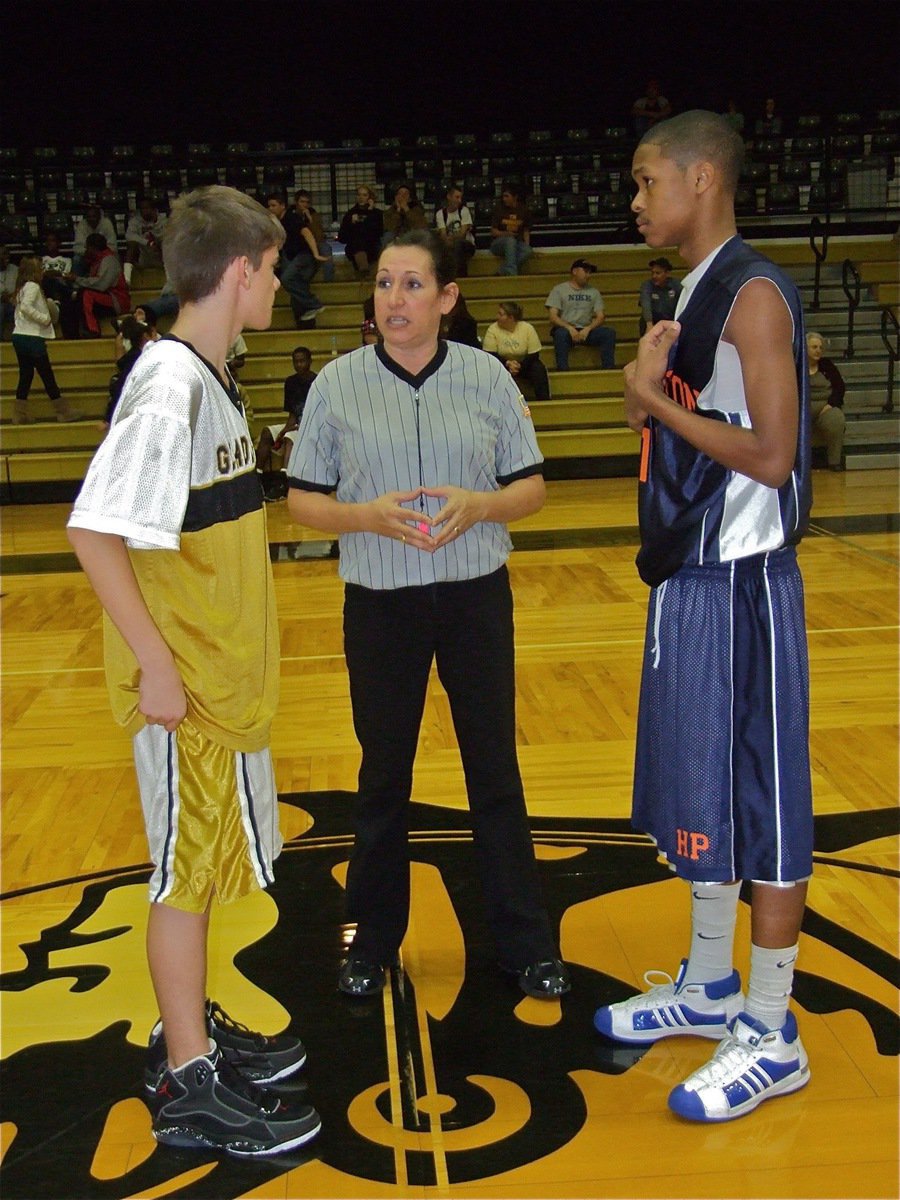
x=361, y=230
x=826, y=401
x=516, y=343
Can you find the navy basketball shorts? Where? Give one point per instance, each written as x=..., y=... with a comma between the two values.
x=722, y=779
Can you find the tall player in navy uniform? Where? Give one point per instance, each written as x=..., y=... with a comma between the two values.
x=722, y=779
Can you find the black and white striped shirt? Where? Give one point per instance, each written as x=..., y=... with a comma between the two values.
x=370, y=427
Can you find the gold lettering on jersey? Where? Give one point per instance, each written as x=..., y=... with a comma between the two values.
x=230, y=459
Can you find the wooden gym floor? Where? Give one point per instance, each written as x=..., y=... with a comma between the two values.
x=452, y=1084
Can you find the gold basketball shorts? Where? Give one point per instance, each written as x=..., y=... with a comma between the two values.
x=211, y=816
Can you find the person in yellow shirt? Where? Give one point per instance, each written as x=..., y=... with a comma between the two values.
x=516, y=343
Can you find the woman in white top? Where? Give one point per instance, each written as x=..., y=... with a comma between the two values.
x=35, y=315
x=516, y=343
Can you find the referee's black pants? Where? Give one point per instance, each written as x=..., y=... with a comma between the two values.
x=390, y=640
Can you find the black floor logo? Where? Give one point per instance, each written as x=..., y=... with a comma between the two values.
x=467, y=1067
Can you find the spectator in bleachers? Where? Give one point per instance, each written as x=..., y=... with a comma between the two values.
x=166, y=303
x=57, y=270
x=516, y=343
x=453, y=221
x=649, y=109
x=577, y=317
x=404, y=215
x=361, y=230
x=34, y=318
x=826, y=401
x=734, y=118
x=93, y=221
x=133, y=335
x=300, y=260
x=303, y=205
x=53, y=260
x=511, y=231
x=8, y=273
x=104, y=287
x=458, y=325
x=296, y=386
x=236, y=355
x=371, y=335
x=369, y=332
x=277, y=439
x=143, y=316
x=769, y=124
x=143, y=238
x=659, y=294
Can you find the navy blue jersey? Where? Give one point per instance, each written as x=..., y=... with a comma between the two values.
x=692, y=509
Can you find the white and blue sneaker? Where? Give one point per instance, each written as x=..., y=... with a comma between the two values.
x=671, y=1008
x=752, y=1064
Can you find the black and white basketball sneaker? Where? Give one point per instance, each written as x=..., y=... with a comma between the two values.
x=258, y=1057
x=206, y=1103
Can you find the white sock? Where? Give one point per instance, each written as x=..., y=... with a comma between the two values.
x=771, y=981
x=129, y=270
x=713, y=917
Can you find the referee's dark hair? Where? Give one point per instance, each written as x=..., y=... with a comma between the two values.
x=440, y=253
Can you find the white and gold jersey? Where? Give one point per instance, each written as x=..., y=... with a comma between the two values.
x=176, y=479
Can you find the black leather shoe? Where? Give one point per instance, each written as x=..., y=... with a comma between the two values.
x=361, y=977
x=546, y=979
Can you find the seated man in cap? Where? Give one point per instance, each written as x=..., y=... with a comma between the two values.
x=659, y=294
x=577, y=317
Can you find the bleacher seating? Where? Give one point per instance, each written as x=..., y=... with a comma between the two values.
x=88, y=179
x=568, y=163
x=200, y=174
x=807, y=147
x=783, y=198
x=830, y=194
x=537, y=207
x=794, y=170
x=594, y=182
x=126, y=178
x=572, y=204
x=847, y=145
x=562, y=166
x=580, y=431
x=60, y=223
x=809, y=124
x=745, y=200
x=15, y=229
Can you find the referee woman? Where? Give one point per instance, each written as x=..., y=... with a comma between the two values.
x=417, y=453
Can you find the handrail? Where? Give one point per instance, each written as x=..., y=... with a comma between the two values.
x=847, y=271
x=887, y=316
x=815, y=226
